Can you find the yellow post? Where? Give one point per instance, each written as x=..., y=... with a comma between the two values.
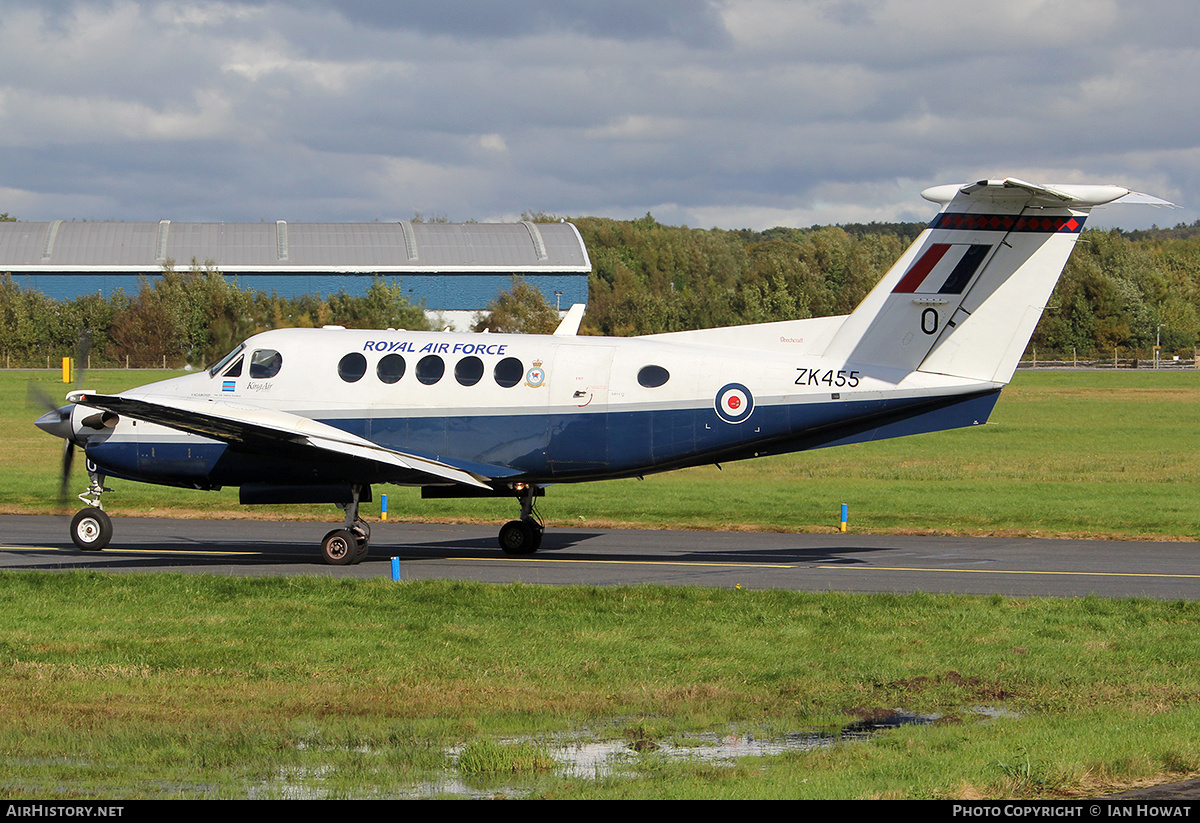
x=66, y=370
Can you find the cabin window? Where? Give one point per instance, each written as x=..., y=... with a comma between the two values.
x=390, y=368
x=468, y=371
x=508, y=372
x=352, y=367
x=653, y=376
x=264, y=364
x=430, y=369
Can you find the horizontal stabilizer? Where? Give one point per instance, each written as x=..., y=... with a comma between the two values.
x=1036, y=196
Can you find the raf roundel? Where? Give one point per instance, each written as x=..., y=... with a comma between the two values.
x=734, y=403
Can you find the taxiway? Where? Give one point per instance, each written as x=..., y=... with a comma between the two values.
x=605, y=557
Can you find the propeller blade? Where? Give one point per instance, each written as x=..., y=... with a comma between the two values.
x=35, y=394
x=67, y=459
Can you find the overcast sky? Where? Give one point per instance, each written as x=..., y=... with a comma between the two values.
x=737, y=114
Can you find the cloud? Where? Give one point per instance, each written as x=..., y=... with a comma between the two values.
x=695, y=22
x=733, y=112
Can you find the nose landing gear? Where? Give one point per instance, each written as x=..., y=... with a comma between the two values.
x=91, y=528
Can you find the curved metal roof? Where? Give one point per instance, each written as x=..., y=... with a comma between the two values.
x=64, y=246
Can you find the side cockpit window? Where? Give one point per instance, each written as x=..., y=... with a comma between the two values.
x=265, y=363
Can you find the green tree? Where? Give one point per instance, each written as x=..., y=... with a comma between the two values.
x=384, y=306
x=523, y=309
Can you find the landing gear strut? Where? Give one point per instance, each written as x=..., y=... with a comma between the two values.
x=523, y=536
x=349, y=544
x=91, y=528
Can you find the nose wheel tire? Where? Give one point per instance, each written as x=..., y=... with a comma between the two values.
x=91, y=529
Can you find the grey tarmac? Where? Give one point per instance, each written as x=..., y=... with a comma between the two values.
x=607, y=557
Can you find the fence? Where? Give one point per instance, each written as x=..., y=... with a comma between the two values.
x=1172, y=363
x=54, y=360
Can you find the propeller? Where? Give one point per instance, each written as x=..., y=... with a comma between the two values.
x=57, y=419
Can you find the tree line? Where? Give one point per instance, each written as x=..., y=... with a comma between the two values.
x=1120, y=291
x=180, y=318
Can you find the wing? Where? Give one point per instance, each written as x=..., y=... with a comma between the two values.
x=262, y=429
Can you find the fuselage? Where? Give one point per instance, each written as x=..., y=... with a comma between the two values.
x=539, y=408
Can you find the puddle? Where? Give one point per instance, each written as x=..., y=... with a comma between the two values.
x=605, y=758
x=583, y=756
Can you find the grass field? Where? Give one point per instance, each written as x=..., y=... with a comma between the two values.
x=1066, y=454
x=126, y=686
x=174, y=686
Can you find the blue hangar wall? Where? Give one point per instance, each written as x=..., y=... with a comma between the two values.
x=439, y=292
x=452, y=267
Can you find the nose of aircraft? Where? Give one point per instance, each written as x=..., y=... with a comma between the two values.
x=57, y=422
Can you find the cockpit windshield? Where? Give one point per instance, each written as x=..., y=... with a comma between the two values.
x=224, y=361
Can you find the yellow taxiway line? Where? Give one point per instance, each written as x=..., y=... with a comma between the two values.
x=632, y=562
x=1000, y=571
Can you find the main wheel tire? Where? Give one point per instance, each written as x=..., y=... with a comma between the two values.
x=91, y=529
x=339, y=548
x=519, y=537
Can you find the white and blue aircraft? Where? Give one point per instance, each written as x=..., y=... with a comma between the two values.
x=321, y=415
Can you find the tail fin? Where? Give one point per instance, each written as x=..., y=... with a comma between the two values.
x=966, y=296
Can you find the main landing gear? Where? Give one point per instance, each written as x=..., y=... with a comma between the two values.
x=523, y=536
x=349, y=544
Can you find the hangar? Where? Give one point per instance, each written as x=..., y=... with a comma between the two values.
x=455, y=269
